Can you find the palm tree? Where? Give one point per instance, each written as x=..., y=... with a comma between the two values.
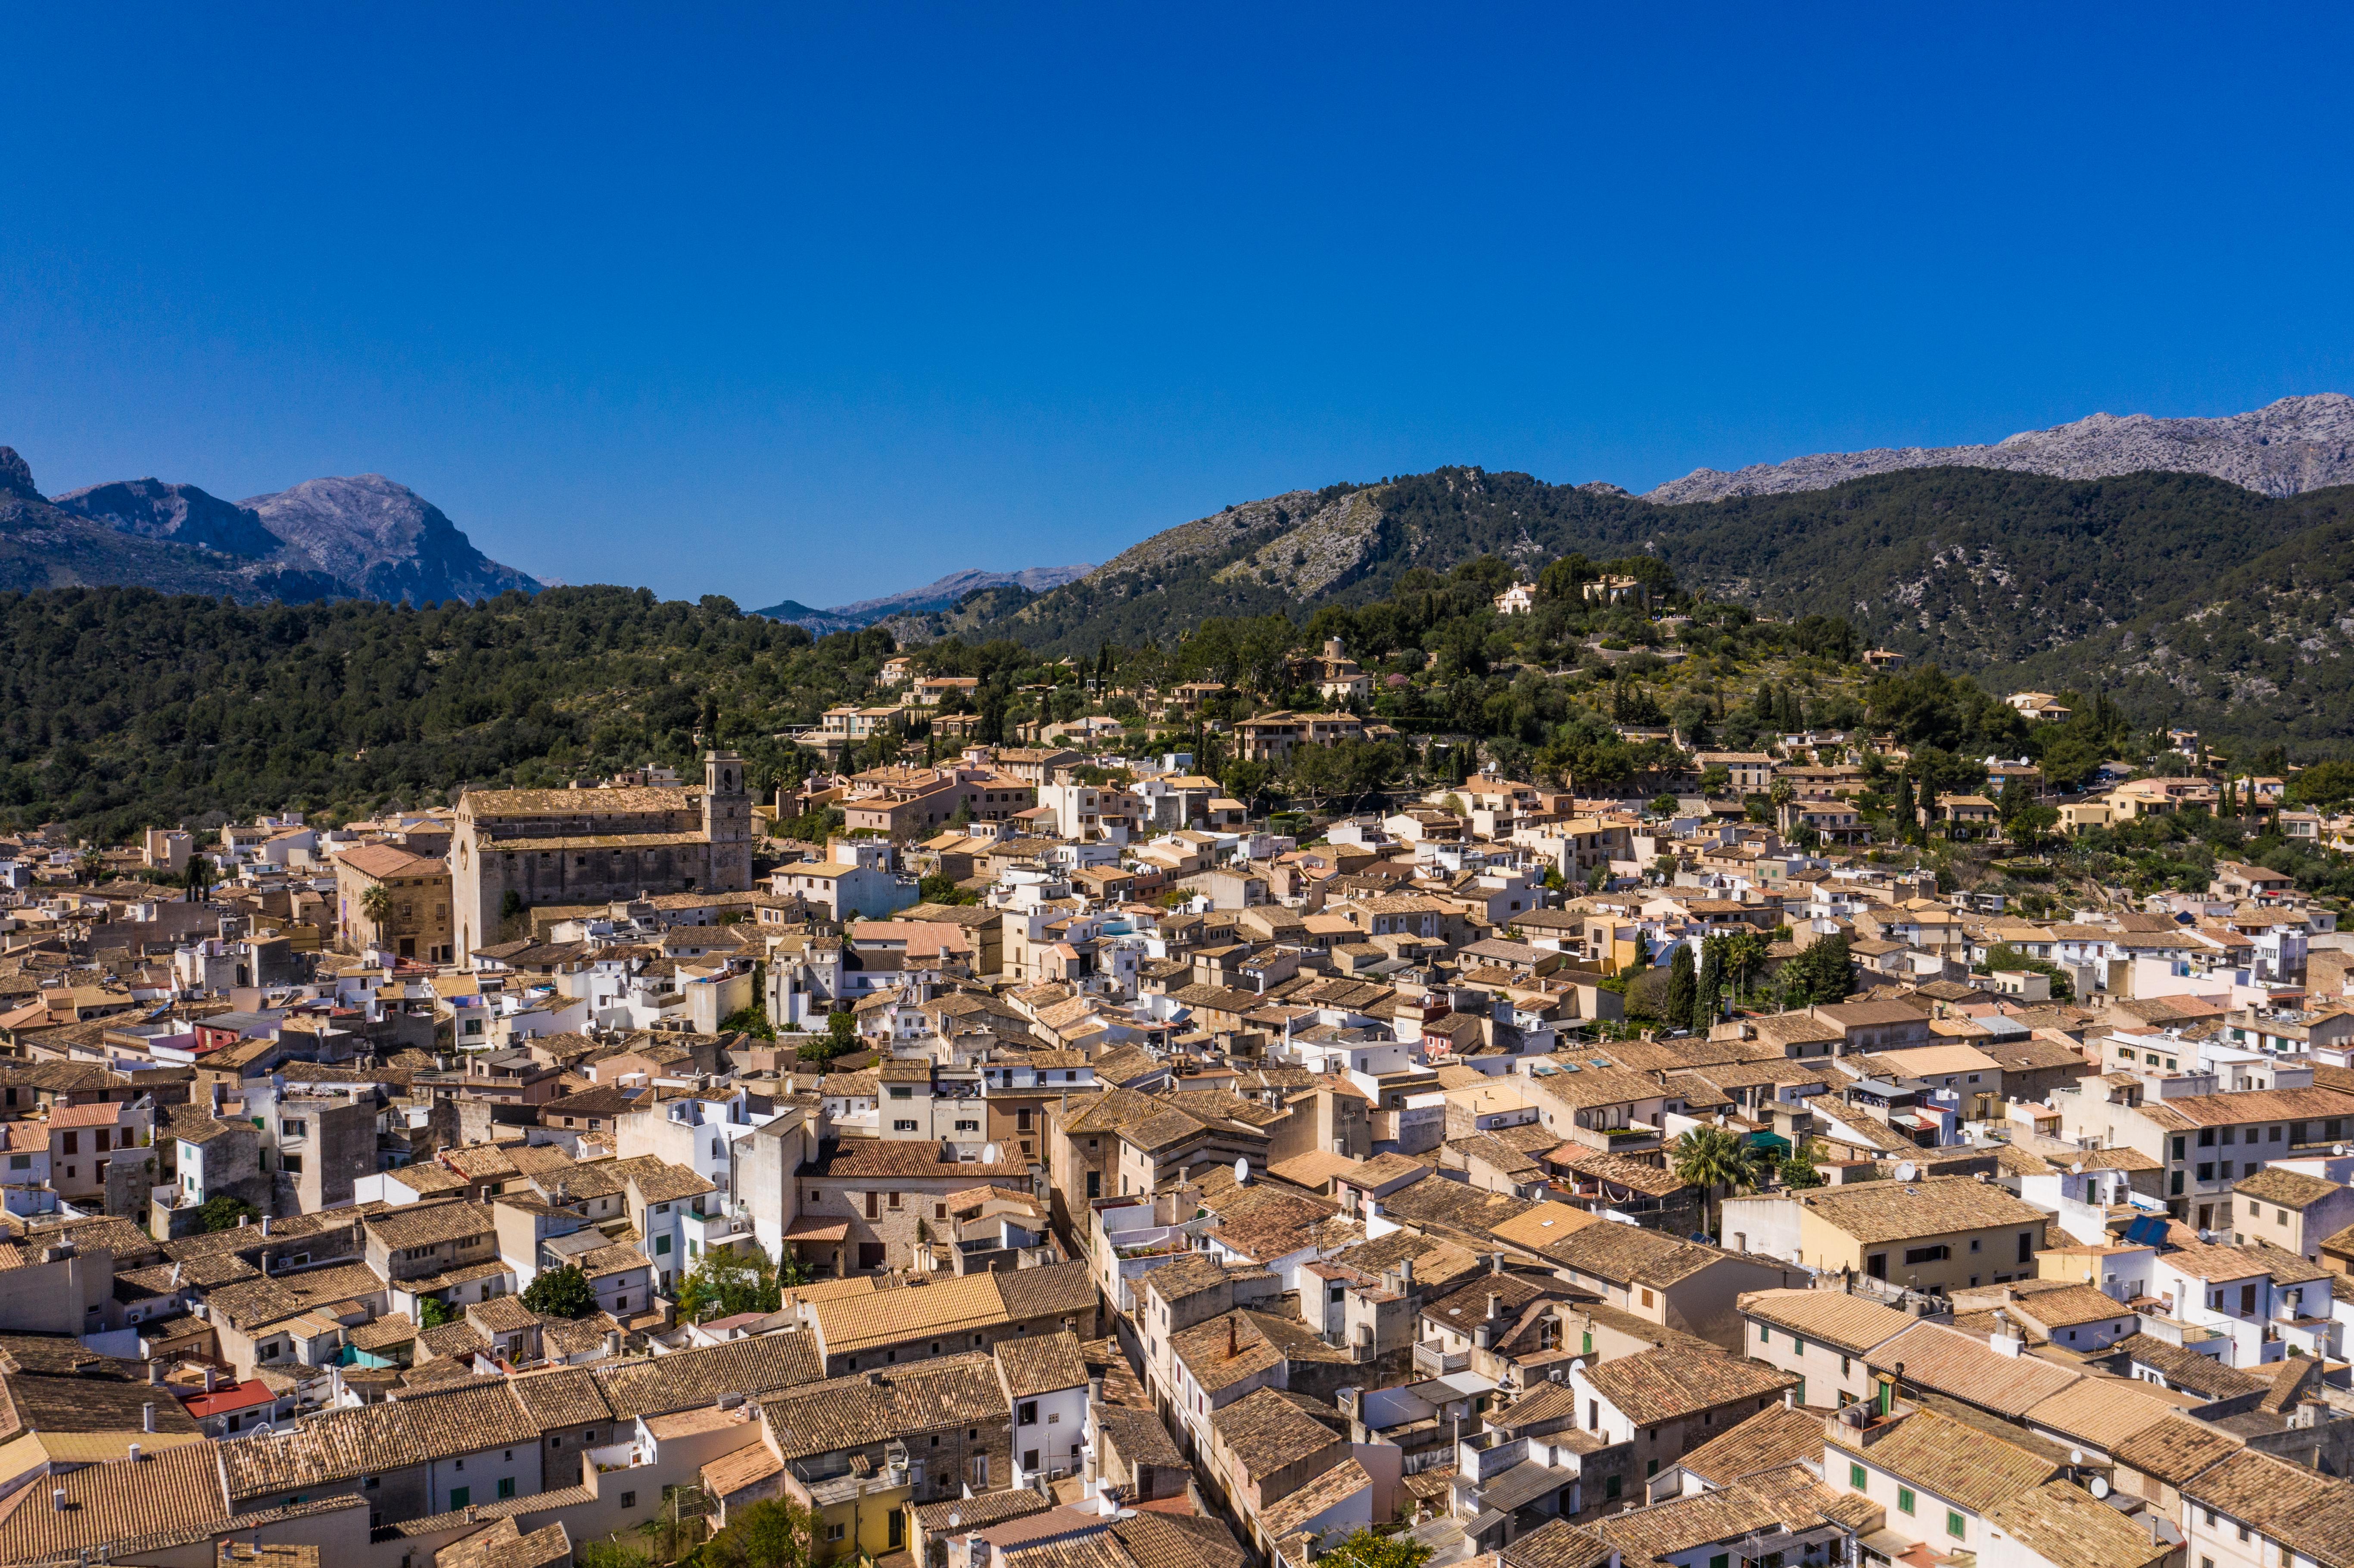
x=1743, y=951
x=1714, y=1158
x=376, y=905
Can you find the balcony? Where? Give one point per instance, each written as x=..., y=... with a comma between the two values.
x=1431, y=1360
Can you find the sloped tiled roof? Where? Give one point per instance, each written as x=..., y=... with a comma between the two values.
x=2061, y=1522
x=1042, y=1364
x=1961, y=1463
x=173, y=1493
x=2101, y=1412
x=1850, y=1323
x=1778, y=1435
x=868, y=1408
x=1264, y=1431
x=1664, y=1385
x=1946, y=1361
x=2175, y=1450
x=683, y=1379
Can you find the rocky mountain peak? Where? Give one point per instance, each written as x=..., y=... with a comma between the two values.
x=17, y=475
x=153, y=509
x=385, y=539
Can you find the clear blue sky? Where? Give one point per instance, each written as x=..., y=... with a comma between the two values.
x=775, y=303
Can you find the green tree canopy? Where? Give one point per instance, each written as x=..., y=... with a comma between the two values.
x=1819, y=973
x=1715, y=1160
x=226, y=1214
x=560, y=1293
x=1682, y=987
x=1365, y=1549
x=774, y=1532
x=722, y=1284
x=2323, y=784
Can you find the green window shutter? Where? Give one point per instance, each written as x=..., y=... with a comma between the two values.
x=1855, y=1476
x=1953, y=1524
x=1905, y=1500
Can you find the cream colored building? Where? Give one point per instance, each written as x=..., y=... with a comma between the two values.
x=1934, y=1236
x=1822, y=1338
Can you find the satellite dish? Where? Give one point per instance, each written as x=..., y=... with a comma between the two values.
x=2098, y=1486
x=2076, y=1168
x=1242, y=1172
x=955, y=1519
x=1906, y=1170
x=989, y=1153
x=2075, y=1456
x=1577, y=1365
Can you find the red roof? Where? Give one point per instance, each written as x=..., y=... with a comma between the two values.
x=228, y=1397
x=85, y=1116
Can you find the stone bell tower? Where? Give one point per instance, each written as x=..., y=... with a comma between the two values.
x=728, y=821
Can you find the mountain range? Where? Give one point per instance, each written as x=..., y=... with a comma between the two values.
x=940, y=594
x=361, y=538
x=2195, y=568
x=2283, y=449
x=2186, y=586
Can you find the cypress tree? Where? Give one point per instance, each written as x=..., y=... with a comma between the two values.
x=1707, y=986
x=1682, y=987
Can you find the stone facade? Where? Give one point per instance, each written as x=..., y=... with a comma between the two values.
x=593, y=846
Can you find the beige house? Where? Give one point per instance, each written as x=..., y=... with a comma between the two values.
x=1822, y=1338
x=417, y=923
x=1936, y=1235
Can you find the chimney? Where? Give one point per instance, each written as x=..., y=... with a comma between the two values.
x=208, y=1380
x=1406, y=1275
x=147, y=1418
x=132, y=1453
x=57, y=1498
x=155, y=1372
x=1495, y=1306
x=1495, y=1263
x=1232, y=1349
x=265, y=1225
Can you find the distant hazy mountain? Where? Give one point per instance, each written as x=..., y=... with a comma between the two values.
x=932, y=595
x=330, y=538
x=2284, y=448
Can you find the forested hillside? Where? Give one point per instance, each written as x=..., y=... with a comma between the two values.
x=121, y=708
x=2195, y=601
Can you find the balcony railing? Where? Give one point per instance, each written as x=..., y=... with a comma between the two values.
x=1431, y=1360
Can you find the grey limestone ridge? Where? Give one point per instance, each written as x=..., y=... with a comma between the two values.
x=366, y=538
x=385, y=539
x=181, y=513
x=2284, y=449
